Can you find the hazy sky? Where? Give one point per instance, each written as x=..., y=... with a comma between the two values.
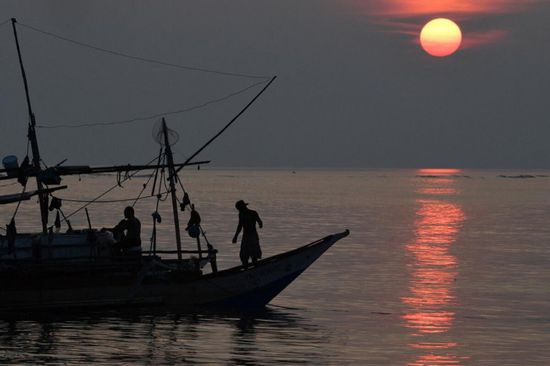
x=354, y=87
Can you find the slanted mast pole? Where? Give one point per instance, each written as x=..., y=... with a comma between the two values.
x=42, y=197
x=172, y=179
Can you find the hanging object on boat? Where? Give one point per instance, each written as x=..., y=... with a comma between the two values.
x=57, y=222
x=49, y=177
x=55, y=204
x=185, y=201
x=156, y=217
x=10, y=165
x=13, y=170
x=22, y=175
x=193, y=225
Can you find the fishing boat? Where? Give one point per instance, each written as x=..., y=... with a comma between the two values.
x=51, y=269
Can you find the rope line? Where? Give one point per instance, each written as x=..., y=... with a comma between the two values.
x=143, y=59
x=4, y=22
x=157, y=115
x=106, y=192
x=143, y=189
x=19, y=202
x=110, y=201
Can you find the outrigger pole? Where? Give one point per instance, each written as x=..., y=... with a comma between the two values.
x=228, y=124
x=42, y=196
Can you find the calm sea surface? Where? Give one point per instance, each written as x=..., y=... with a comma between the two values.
x=441, y=268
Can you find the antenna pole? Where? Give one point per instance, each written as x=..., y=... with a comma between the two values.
x=42, y=197
x=172, y=179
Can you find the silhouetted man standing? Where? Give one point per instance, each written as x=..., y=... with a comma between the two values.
x=250, y=243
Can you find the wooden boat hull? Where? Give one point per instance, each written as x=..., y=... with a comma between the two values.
x=241, y=287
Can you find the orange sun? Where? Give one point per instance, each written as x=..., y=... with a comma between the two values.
x=440, y=37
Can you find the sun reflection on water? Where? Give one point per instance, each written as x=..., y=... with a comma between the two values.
x=433, y=270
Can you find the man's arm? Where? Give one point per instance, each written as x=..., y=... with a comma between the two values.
x=120, y=227
x=260, y=223
x=239, y=228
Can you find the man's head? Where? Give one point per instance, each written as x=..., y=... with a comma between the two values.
x=129, y=212
x=241, y=205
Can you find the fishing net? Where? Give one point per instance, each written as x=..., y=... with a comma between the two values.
x=158, y=134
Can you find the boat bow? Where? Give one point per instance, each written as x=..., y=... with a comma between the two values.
x=256, y=285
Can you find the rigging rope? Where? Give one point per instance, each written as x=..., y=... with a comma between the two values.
x=4, y=22
x=143, y=59
x=107, y=191
x=143, y=189
x=19, y=202
x=157, y=115
x=190, y=208
x=111, y=201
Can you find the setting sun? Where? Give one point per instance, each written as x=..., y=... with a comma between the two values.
x=440, y=37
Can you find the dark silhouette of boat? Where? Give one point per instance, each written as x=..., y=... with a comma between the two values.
x=78, y=268
x=153, y=281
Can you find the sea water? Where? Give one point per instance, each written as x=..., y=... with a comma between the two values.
x=444, y=267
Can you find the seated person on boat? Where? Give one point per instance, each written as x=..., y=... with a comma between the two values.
x=128, y=234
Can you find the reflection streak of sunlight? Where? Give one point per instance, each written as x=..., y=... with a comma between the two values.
x=433, y=270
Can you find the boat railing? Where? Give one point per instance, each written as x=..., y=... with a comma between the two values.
x=32, y=245
x=96, y=257
x=202, y=257
x=196, y=261
x=213, y=251
x=74, y=263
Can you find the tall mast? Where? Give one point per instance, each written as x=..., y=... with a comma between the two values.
x=172, y=179
x=42, y=197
